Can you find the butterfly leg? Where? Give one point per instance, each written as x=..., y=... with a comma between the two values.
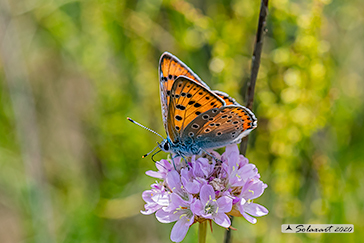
x=172, y=157
x=212, y=156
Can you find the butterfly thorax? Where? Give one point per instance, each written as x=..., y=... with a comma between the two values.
x=188, y=148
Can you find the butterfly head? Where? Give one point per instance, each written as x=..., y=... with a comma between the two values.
x=165, y=145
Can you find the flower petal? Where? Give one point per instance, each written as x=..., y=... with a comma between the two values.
x=173, y=180
x=177, y=201
x=205, y=166
x=198, y=169
x=154, y=174
x=178, y=162
x=222, y=220
x=249, y=218
x=255, y=209
x=197, y=207
x=225, y=204
x=253, y=189
x=161, y=198
x=248, y=171
x=242, y=160
x=191, y=185
x=232, y=152
x=147, y=196
x=180, y=229
x=206, y=192
x=164, y=165
x=149, y=210
x=240, y=205
x=166, y=217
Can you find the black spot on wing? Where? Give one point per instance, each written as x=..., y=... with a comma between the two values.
x=180, y=107
x=197, y=105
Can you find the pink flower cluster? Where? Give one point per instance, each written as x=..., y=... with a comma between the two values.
x=204, y=190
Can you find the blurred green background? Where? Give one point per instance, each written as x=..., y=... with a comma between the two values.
x=72, y=71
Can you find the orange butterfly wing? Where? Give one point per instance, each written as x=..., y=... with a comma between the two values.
x=188, y=99
x=170, y=67
x=178, y=112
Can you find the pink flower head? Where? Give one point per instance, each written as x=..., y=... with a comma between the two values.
x=205, y=189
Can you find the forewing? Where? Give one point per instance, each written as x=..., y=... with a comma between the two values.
x=188, y=99
x=170, y=67
x=220, y=127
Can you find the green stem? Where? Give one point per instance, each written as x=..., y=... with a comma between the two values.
x=202, y=232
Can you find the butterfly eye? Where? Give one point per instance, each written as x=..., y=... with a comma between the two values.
x=166, y=146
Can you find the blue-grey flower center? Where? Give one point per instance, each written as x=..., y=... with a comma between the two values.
x=183, y=212
x=211, y=206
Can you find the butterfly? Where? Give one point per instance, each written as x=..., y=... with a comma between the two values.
x=195, y=117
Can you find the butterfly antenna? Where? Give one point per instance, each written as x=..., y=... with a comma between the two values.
x=145, y=155
x=150, y=130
